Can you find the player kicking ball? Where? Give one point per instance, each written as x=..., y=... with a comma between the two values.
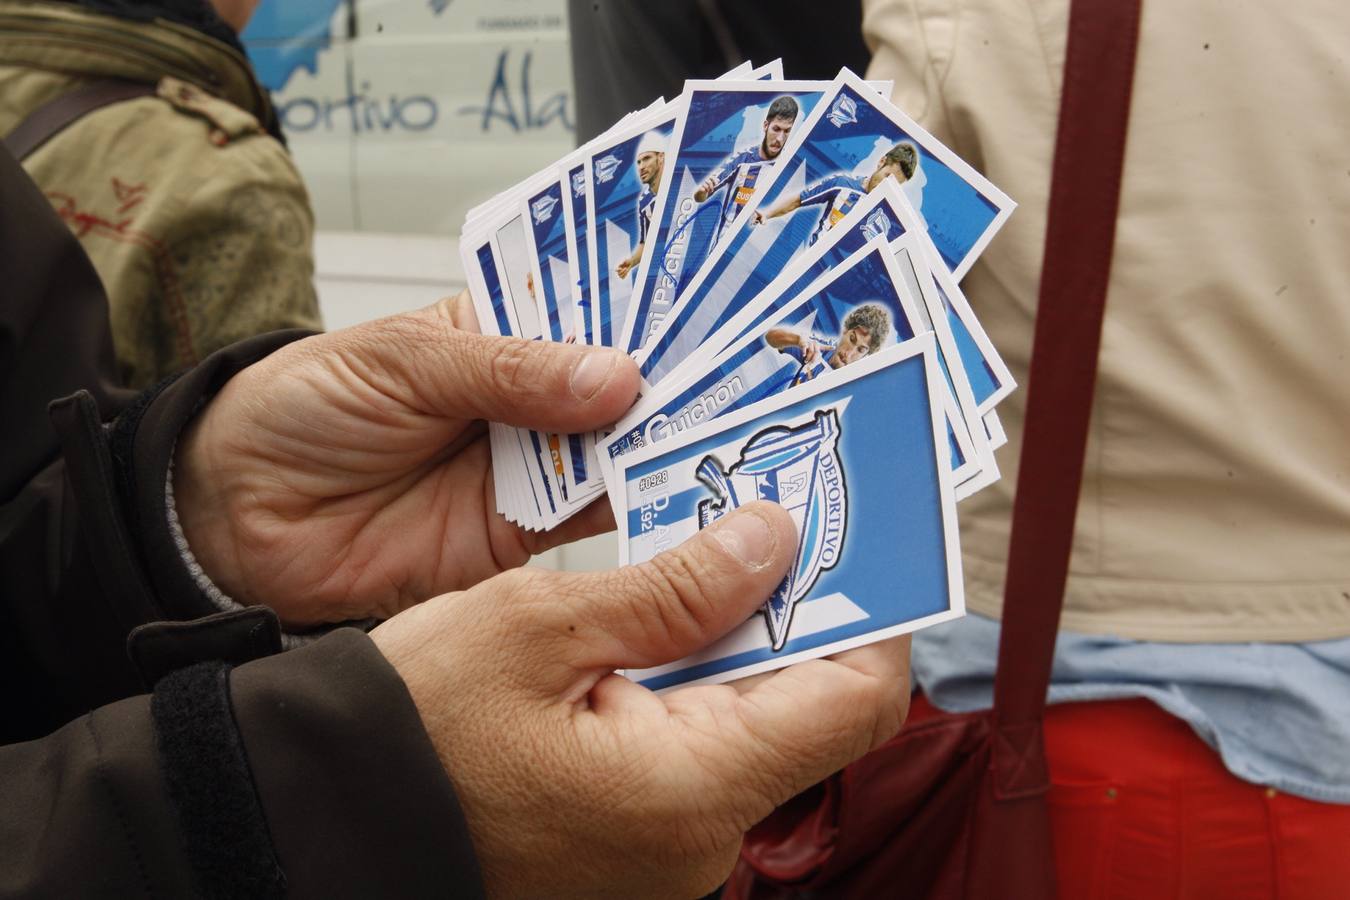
x=650, y=160
x=839, y=193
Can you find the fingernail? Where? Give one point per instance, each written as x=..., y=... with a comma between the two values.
x=748, y=537
x=591, y=372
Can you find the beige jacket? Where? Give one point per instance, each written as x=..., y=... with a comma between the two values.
x=1216, y=499
x=195, y=218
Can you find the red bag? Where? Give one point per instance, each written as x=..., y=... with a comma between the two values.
x=954, y=805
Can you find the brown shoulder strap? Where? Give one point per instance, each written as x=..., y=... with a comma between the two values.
x=1084, y=199
x=52, y=117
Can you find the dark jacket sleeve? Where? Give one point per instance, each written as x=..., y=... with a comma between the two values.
x=353, y=796
x=327, y=784
x=86, y=554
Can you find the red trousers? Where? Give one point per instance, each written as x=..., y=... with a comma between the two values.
x=1142, y=809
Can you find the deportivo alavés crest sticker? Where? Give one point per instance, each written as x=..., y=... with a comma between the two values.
x=799, y=469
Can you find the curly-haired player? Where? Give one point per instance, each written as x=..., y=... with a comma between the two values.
x=865, y=329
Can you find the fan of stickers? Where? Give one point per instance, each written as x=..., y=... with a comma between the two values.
x=781, y=258
x=535, y=268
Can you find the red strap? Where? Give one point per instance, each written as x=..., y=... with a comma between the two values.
x=1084, y=199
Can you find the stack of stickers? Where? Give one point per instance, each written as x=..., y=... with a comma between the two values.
x=781, y=259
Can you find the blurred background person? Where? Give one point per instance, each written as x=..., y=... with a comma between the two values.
x=626, y=53
x=1205, y=639
x=163, y=154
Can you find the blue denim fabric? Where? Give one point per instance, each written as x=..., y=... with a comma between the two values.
x=1278, y=714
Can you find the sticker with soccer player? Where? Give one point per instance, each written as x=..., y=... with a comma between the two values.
x=988, y=375
x=728, y=136
x=962, y=340
x=852, y=143
x=622, y=180
x=883, y=213
x=855, y=457
x=957, y=331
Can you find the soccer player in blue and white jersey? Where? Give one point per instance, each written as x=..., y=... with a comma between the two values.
x=840, y=193
x=650, y=160
x=865, y=328
x=741, y=171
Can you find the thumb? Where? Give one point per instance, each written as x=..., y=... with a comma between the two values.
x=679, y=602
x=424, y=360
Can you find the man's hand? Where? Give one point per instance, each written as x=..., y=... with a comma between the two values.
x=623, y=268
x=575, y=781
x=347, y=475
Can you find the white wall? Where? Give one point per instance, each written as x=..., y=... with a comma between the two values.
x=403, y=114
x=365, y=275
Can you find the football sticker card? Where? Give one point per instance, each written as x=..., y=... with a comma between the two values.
x=990, y=380
x=623, y=177
x=727, y=137
x=856, y=460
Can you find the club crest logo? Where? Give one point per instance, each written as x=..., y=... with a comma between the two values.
x=605, y=167
x=578, y=184
x=877, y=224
x=799, y=469
x=844, y=112
x=542, y=209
